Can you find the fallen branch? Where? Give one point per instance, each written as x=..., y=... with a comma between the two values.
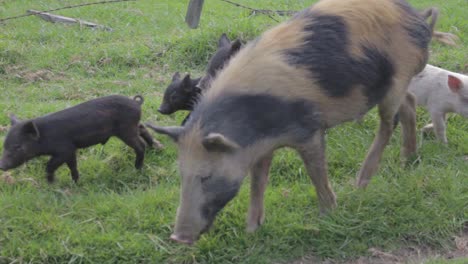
x=263, y=11
x=66, y=20
x=67, y=7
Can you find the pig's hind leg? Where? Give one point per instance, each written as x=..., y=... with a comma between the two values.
x=132, y=138
x=407, y=114
x=313, y=155
x=388, y=108
x=146, y=136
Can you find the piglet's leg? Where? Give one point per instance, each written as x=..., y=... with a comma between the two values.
x=52, y=166
x=132, y=139
x=438, y=121
x=313, y=155
x=257, y=190
x=71, y=162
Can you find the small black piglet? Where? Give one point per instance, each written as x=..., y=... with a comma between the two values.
x=60, y=134
x=182, y=93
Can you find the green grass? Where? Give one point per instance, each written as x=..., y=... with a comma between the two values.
x=116, y=214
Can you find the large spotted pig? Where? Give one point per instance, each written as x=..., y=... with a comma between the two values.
x=329, y=64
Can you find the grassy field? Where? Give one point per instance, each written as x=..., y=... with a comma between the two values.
x=116, y=214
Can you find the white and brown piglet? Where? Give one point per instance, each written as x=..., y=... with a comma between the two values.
x=440, y=91
x=329, y=64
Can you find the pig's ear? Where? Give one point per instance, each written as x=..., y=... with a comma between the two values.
x=186, y=83
x=455, y=84
x=14, y=120
x=31, y=130
x=218, y=142
x=176, y=76
x=172, y=131
x=235, y=46
x=223, y=41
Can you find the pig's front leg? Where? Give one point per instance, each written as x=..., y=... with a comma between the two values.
x=258, y=184
x=52, y=165
x=438, y=123
x=71, y=162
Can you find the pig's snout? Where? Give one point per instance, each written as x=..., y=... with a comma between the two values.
x=181, y=239
x=164, y=109
x=3, y=165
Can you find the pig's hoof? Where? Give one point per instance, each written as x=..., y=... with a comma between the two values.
x=50, y=179
x=362, y=183
x=157, y=145
x=252, y=228
x=428, y=129
x=178, y=239
x=254, y=223
x=138, y=165
x=327, y=204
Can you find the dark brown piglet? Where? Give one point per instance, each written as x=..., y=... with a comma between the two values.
x=182, y=93
x=60, y=134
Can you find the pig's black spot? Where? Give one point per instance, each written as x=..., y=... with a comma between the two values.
x=219, y=191
x=325, y=54
x=247, y=118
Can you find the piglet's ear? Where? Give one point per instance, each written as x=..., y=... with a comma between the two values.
x=14, y=120
x=223, y=41
x=186, y=83
x=219, y=143
x=235, y=46
x=172, y=131
x=176, y=76
x=455, y=84
x=30, y=129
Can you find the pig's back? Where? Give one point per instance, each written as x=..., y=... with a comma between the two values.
x=342, y=55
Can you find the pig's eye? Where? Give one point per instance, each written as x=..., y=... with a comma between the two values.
x=173, y=97
x=205, y=178
x=17, y=147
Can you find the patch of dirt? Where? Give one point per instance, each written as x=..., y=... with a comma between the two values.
x=7, y=178
x=157, y=73
x=28, y=75
x=410, y=255
x=121, y=83
x=4, y=128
